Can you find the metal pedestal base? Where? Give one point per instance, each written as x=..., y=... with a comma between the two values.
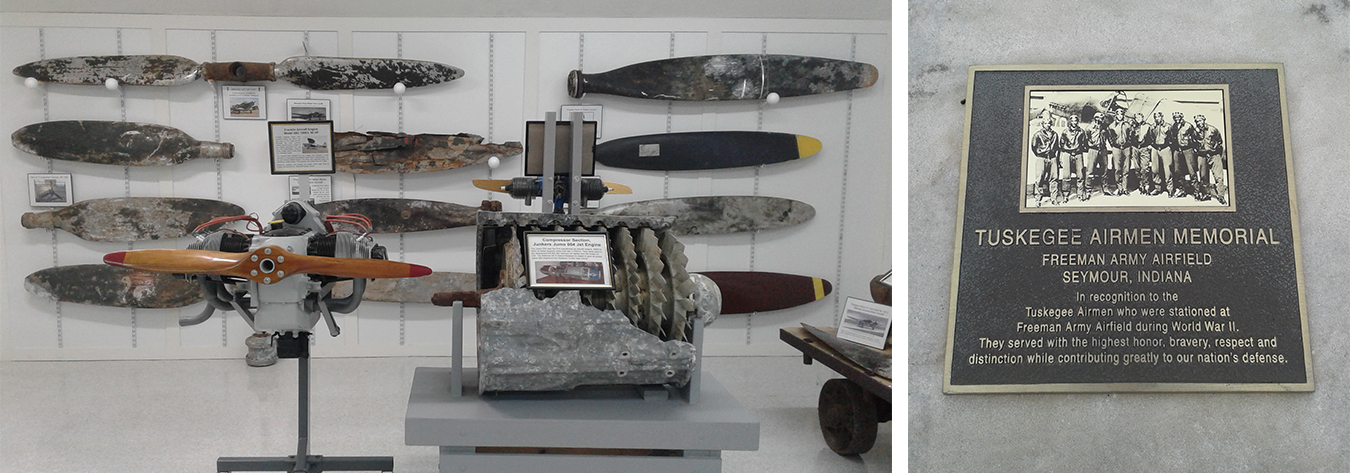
x=312, y=464
x=581, y=431
x=298, y=347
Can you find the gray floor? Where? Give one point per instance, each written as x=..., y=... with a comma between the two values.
x=177, y=416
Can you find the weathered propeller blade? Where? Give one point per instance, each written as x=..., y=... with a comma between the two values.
x=336, y=73
x=154, y=70
x=709, y=215
x=381, y=152
x=116, y=143
x=404, y=215
x=421, y=290
x=109, y=286
x=310, y=72
x=726, y=77
x=264, y=265
x=131, y=218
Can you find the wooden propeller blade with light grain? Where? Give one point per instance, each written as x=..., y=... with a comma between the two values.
x=264, y=265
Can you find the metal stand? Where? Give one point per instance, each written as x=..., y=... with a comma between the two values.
x=457, y=350
x=553, y=177
x=297, y=346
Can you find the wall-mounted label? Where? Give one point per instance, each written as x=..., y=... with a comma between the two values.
x=649, y=150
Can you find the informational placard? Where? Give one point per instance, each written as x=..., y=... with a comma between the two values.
x=243, y=102
x=320, y=188
x=865, y=322
x=1127, y=228
x=589, y=113
x=302, y=147
x=568, y=260
x=50, y=189
x=309, y=110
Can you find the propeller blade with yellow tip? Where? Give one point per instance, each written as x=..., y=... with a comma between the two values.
x=703, y=150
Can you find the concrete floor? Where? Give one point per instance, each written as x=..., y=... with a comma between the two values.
x=176, y=416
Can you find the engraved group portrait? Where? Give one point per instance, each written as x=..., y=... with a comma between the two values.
x=1126, y=148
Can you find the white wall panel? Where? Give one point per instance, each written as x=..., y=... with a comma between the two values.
x=515, y=70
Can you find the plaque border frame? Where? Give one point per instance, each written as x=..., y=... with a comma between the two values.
x=1146, y=387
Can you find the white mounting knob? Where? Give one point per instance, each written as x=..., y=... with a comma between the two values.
x=493, y=162
x=31, y=82
x=399, y=88
x=772, y=98
x=111, y=83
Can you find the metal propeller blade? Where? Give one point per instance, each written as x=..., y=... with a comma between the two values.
x=264, y=265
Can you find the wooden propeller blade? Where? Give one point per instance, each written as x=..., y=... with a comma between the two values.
x=264, y=265
x=494, y=185
x=499, y=185
x=616, y=188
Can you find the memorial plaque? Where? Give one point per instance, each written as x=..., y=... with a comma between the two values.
x=1127, y=228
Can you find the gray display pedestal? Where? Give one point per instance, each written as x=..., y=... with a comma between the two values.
x=685, y=437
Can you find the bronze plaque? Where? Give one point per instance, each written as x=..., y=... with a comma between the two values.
x=1127, y=228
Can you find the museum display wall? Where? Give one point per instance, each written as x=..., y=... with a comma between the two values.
x=516, y=69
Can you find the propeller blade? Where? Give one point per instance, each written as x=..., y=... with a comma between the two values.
x=356, y=267
x=499, y=185
x=494, y=185
x=616, y=188
x=177, y=261
x=264, y=265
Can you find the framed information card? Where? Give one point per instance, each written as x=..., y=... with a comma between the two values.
x=1127, y=228
x=302, y=147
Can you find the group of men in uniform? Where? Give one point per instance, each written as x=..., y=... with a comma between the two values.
x=1119, y=156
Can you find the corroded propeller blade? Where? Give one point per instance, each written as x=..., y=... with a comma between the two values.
x=264, y=265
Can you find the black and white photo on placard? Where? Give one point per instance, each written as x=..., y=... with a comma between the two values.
x=1126, y=148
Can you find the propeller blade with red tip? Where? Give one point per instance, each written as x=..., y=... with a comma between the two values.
x=264, y=265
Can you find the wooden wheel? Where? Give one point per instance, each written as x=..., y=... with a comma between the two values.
x=848, y=417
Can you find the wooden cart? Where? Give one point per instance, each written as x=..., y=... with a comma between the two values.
x=849, y=408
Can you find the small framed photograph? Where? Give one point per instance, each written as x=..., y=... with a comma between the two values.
x=301, y=147
x=568, y=260
x=50, y=190
x=865, y=322
x=243, y=102
x=309, y=110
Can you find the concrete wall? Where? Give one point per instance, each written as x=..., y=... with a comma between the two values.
x=1129, y=432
